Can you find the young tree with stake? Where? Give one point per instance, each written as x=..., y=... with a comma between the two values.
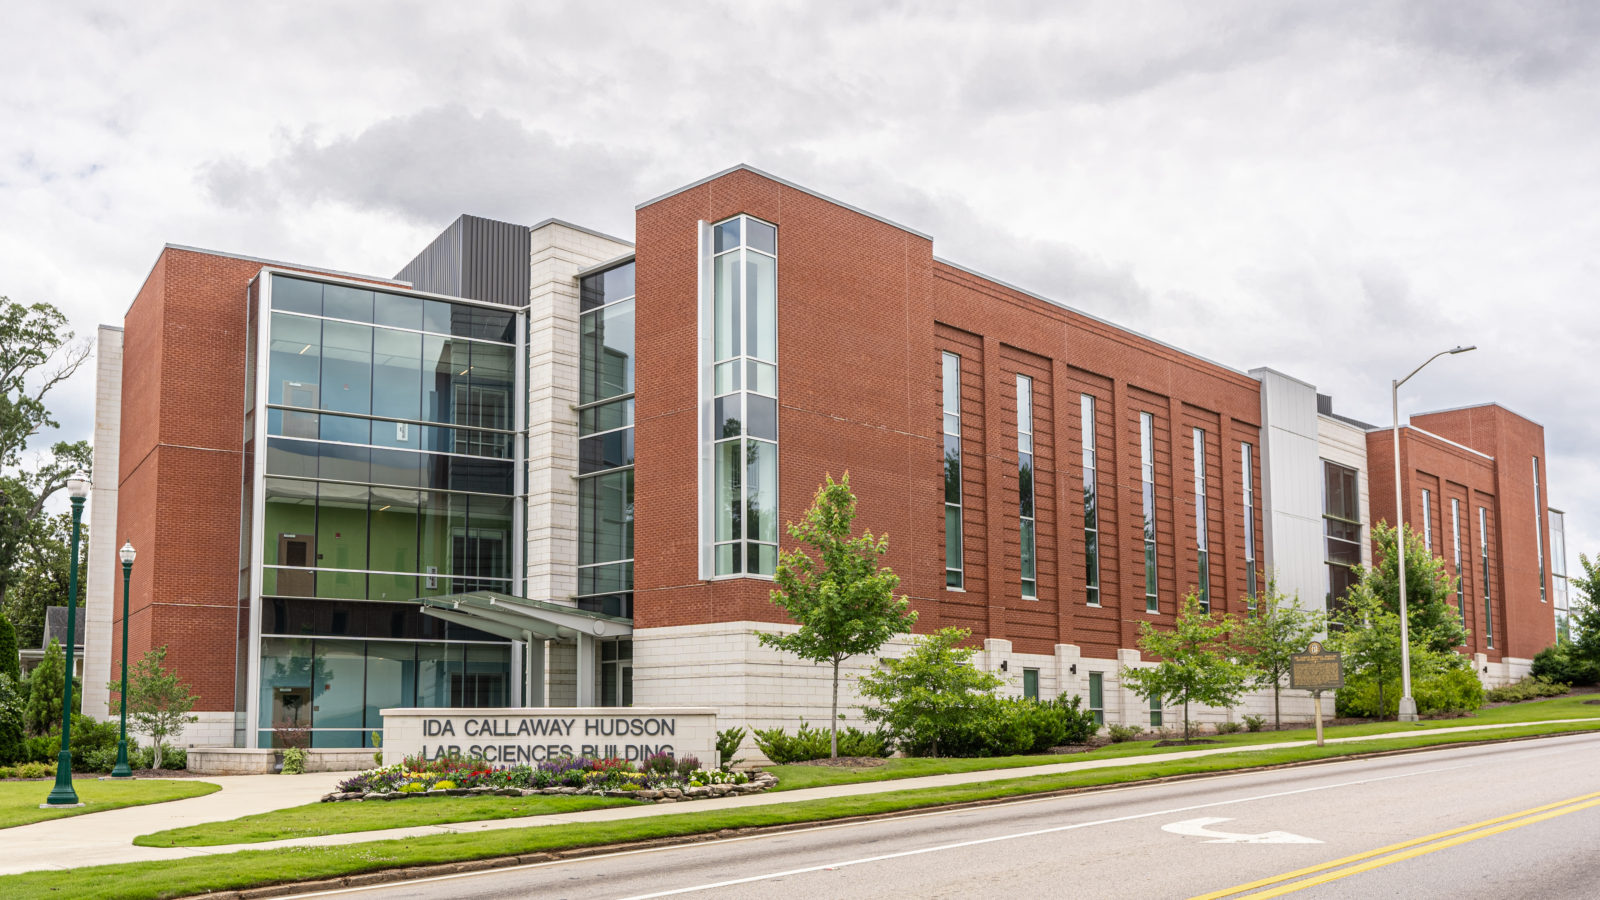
x=843, y=600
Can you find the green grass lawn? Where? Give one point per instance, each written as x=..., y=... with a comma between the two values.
x=232, y=871
x=340, y=818
x=792, y=778
x=19, y=800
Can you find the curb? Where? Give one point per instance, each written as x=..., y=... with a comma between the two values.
x=412, y=873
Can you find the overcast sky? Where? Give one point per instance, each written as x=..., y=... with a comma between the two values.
x=1335, y=190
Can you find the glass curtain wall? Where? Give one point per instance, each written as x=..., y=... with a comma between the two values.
x=745, y=404
x=605, y=442
x=389, y=474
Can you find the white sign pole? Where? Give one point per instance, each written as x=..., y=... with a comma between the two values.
x=1316, y=698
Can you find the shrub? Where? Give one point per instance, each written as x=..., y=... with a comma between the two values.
x=28, y=770
x=1255, y=723
x=42, y=749
x=1529, y=688
x=728, y=741
x=687, y=765
x=1229, y=727
x=13, y=720
x=377, y=741
x=660, y=763
x=294, y=761
x=1558, y=663
x=92, y=740
x=413, y=787
x=444, y=785
x=809, y=743
x=1120, y=733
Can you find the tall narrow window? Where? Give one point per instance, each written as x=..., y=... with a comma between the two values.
x=1538, y=528
x=1341, y=524
x=953, y=569
x=1427, y=519
x=743, y=378
x=1455, y=528
x=1483, y=552
x=1202, y=553
x=1147, y=481
x=1097, y=697
x=1248, y=464
x=605, y=442
x=1030, y=577
x=1558, y=575
x=1091, y=504
x=1155, y=711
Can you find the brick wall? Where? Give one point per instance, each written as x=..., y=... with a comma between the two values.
x=863, y=312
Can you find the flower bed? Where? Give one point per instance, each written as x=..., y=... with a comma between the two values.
x=660, y=778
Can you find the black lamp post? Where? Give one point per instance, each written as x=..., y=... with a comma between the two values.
x=63, y=794
x=122, y=770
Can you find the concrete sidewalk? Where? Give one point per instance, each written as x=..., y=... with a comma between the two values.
x=104, y=838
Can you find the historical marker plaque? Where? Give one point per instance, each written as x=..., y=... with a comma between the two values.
x=1316, y=669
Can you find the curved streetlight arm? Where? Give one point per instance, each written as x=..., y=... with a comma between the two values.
x=1457, y=349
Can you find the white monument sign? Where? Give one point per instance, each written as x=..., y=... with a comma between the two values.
x=524, y=736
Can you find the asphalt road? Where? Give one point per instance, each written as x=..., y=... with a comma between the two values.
x=1499, y=820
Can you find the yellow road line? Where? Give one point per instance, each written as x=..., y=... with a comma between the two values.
x=1404, y=845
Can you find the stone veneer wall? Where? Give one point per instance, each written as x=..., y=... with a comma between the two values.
x=104, y=587
x=723, y=665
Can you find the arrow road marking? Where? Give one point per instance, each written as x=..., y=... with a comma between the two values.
x=1197, y=828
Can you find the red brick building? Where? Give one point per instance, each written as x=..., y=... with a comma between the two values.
x=314, y=466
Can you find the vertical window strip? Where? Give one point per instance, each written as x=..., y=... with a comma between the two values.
x=954, y=571
x=1025, y=493
x=1097, y=697
x=1248, y=459
x=745, y=405
x=1538, y=528
x=1155, y=711
x=1091, y=503
x=1455, y=527
x=1147, y=482
x=1483, y=551
x=1202, y=551
x=1427, y=519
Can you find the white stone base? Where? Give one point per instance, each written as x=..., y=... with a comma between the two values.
x=211, y=729
x=1508, y=670
x=724, y=666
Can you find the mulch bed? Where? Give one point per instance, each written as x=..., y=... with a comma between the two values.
x=844, y=762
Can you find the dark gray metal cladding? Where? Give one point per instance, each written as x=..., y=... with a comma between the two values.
x=476, y=258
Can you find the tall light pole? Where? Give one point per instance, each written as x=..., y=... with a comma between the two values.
x=1408, y=704
x=122, y=770
x=63, y=794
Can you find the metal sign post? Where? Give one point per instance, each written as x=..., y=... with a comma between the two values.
x=1316, y=671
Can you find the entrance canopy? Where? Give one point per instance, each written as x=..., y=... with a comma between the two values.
x=532, y=623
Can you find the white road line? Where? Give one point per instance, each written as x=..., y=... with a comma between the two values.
x=1035, y=833
x=1136, y=786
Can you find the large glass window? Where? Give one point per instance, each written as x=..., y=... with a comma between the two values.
x=605, y=443
x=1030, y=575
x=616, y=672
x=1091, y=502
x=1147, y=483
x=954, y=570
x=1461, y=578
x=744, y=427
x=1538, y=528
x=1201, y=542
x=1248, y=471
x=1427, y=519
x=1558, y=574
x=1341, y=522
x=1483, y=551
x=1097, y=697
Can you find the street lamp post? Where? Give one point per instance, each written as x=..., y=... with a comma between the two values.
x=1408, y=704
x=63, y=794
x=122, y=770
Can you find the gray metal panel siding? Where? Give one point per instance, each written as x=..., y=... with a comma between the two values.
x=495, y=261
x=437, y=269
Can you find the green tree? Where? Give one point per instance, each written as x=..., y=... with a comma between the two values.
x=13, y=720
x=40, y=579
x=1197, y=663
x=934, y=689
x=1586, y=617
x=843, y=600
x=37, y=353
x=44, y=690
x=1367, y=633
x=1278, y=629
x=1430, y=589
x=10, y=662
x=158, y=703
